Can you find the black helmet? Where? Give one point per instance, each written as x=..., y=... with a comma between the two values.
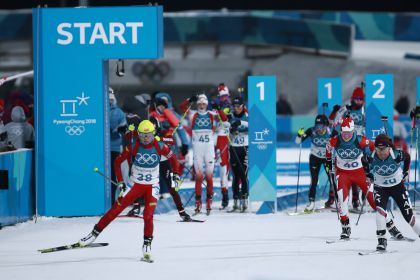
x=382, y=140
x=238, y=100
x=321, y=119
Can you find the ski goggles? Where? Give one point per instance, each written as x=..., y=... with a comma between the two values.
x=320, y=126
x=358, y=99
x=146, y=137
x=382, y=148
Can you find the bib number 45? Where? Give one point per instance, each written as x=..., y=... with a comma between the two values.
x=204, y=139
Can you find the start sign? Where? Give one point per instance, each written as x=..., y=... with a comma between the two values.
x=72, y=47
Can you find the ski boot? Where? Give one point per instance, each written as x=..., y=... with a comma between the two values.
x=310, y=207
x=392, y=229
x=330, y=201
x=225, y=199
x=87, y=240
x=135, y=211
x=381, y=240
x=197, y=205
x=355, y=203
x=235, y=206
x=184, y=215
x=346, y=230
x=147, y=250
x=208, y=205
x=244, y=205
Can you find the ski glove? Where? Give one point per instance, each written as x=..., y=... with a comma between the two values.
x=177, y=181
x=370, y=178
x=215, y=106
x=122, y=187
x=336, y=108
x=301, y=131
x=235, y=124
x=366, y=159
x=328, y=165
x=415, y=113
x=184, y=149
x=193, y=98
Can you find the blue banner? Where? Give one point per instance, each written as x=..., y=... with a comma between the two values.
x=329, y=94
x=379, y=104
x=16, y=189
x=71, y=49
x=418, y=90
x=262, y=138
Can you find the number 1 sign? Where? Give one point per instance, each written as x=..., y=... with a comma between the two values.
x=379, y=103
x=329, y=94
x=262, y=139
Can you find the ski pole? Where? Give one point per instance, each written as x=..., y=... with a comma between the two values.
x=332, y=182
x=415, y=166
x=324, y=108
x=297, y=185
x=384, y=119
x=325, y=187
x=361, y=209
x=96, y=169
x=182, y=118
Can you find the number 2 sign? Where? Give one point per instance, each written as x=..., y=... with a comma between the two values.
x=379, y=104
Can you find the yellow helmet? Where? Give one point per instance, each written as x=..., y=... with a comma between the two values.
x=146, y=126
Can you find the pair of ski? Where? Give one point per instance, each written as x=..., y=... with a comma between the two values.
x=199, y=212
x=78, y=246
x=317, y=210
x=371, y=252
x=183, y=221
x=233, y=210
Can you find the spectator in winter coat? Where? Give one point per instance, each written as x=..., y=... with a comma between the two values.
x=19, y=132
x=16, y=98
x=118, y=126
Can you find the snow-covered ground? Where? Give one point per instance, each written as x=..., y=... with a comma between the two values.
x=226, y=246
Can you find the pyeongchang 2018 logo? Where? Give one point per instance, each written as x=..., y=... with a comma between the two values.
x=72, y=124
x=259, y=139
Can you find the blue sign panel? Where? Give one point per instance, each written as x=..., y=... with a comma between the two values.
x=329, y=94
x=71, y=49
x=379, y=105
x=418, y=90
x=262, y=138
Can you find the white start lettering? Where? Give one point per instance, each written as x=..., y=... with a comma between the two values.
x=91, y=33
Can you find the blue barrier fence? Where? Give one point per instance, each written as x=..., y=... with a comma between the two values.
x=16, y=187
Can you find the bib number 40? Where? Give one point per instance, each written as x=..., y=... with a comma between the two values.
x=353, y=164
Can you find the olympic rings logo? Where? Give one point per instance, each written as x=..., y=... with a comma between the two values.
x=320, y=142
x=74, y=130
x=18, y=131
x=357, y=118
x=146, y=159
x=151, y=70
x=202, y=122
x=349, y=153
x=385, y=169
